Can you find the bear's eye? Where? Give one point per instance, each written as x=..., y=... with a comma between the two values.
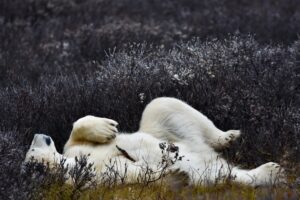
x=48, y=141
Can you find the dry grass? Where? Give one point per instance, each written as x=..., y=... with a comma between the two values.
x=137, y=191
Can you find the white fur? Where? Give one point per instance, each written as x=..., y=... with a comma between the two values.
x=164, y=120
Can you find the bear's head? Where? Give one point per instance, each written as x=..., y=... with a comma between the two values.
x=42, y=149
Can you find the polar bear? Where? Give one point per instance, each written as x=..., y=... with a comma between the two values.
x=165, y=120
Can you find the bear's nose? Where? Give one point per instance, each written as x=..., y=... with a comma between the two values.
x=47, y=140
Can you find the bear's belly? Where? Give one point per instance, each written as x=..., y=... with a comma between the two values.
x=96, y=153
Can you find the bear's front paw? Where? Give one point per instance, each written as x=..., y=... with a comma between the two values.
x=269, y=173
x=109, y=129
x=94, y=129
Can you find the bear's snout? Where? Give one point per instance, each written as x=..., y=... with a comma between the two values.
x=41, y=140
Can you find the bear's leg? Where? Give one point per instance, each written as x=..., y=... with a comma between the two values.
x=174, y=120
x=267, y=174
x=90, y=129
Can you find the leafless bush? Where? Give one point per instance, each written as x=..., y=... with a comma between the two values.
x=113, y=174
